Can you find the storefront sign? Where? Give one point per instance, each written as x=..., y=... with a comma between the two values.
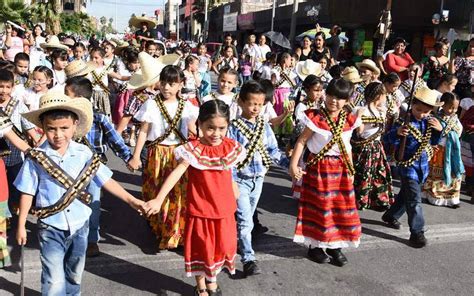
x=246, y=22
x=230, y=22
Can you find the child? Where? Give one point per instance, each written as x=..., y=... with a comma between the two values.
x=79, y=51
x=324, y=75
x=165, y=122
x=257, y=136
x=205, y=65
x=22, y=61
x=405, y=86
x=266, y=69
x=352, y=75
x=226, y=83
x=246, y=67
x=447, y=83
x=227, y=60
x=59, y=61
x=394, y=97
x=413, y=169
x=443, y=186
x=467, y=148
x=210, y=234
x=41, y=82
x=283, y=79
x=327, y=214
x=63, y=219
x=372, y=180
x=192, y=80
x=151, y=48
x=100, y=81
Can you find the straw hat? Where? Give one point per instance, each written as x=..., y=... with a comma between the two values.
x=308, y=67
x=68, y=41
x=137, y=21
x=53, y=42
x=369, y=64
x=428, y=96
x=57, y=100
x=150, y=69
x=79, y=68
x=351, y=74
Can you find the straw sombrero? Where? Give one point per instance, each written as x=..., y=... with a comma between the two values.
x=351, y=74
x=57, y=100
x=308, y=67
x=150, y=69
x=428, y=96
x=68, y=41
x=53, y=42
x=137, y=21
x=369, y=64
x=79, y=68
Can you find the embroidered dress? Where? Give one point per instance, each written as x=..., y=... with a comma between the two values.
x=443, y=186
x=168, y=225
x=373, y=179
x=327, y=213
x=210, y=242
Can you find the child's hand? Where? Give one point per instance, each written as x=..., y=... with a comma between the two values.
x=290, y=107
x=151, y=207
x=402, y=131
x=21, y=235
x=134, y=164
x=297, y=173
x=435, y=124
x=137, y=204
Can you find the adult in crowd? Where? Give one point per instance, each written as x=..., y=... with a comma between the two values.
x=37, y=37
x=305, y=51
x=228, y=41
x=262, y=51
x=399, y=60
x=146, y=27
x=13, y=43
x=438, y=64
x=464, y=68
x=251, y=48
x=93, y=41
x=320, y=49
x=334, y=42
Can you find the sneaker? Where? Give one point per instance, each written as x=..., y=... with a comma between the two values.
x=317, y=255
x=418, y=240
x=392, y=222
x=251, y=268
x=337, y=256
x=92, y=250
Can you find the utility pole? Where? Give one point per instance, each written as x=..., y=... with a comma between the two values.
x=206, y=21
x=177, y=22
x=273, y=14
x=293, y=21
x=383, y=30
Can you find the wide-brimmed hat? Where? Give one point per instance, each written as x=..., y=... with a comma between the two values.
x=369, y=64
x=150, y=69
x=308, y=67
x=428, y=96
x=351, y=74
x=53, y=42
x=79, y=68
x=68, y=42
x=57, y=100
x=137, y=21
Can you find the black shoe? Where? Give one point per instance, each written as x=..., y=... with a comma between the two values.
x=337, y=256
x=92, y=250
x=418, y=240
x=216, y=292
x=251, y=268
x=198, y=291
x=259, y=229
x=455, y=206
x=317, y=255
x=392, y=222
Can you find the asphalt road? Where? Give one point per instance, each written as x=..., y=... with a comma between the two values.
x=382, y=265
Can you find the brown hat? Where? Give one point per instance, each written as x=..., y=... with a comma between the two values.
x=351, y=74
x=137, y=21
x=79, y=68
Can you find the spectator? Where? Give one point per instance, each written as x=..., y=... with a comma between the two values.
x=334, y=42
x=399, y=61
x=13, y=43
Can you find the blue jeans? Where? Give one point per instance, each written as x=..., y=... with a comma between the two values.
x=409, y=200
x=63, y=257
x=250, y=190
x=94, y=219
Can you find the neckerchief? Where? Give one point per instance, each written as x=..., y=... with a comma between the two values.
x=172, y=122
x=255, y=138
x=7, y=112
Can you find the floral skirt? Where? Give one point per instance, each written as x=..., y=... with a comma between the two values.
x=101, y=102
x=4, y=255
x=209, y=246
x=168, y=225
x=134, y=104
x=435, y=190
x=373, y=179
x=327, y=213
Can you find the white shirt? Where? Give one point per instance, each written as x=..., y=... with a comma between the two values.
x=277, y=70
x=267, y=112
x=104, y=79
x=266, y=71
x=31, y=99
x=149, y=112
x=369, y=128
x=59, y=77
x=229, y=100
x=261, y=53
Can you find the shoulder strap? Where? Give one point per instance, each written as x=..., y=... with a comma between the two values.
x=98, y=81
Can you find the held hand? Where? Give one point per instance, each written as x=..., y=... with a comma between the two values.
x=297, y=173
x=402, y=131
x=134, y=164
x=21, y=235
x=152, y=207
x=137, y=204
x=434, y=123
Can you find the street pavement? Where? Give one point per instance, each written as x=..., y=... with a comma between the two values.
x=383, y=264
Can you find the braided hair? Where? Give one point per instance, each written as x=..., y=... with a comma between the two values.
x=373, y=91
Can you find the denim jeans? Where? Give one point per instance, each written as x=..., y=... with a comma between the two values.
x=250, y=190
x=63, y=257
x=409, y=200
x=94, y=219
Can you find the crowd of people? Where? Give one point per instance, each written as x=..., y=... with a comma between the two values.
x=343, y=131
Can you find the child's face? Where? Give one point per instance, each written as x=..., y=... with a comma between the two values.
x=170, y=90
x=252, y=105
x=214, y=130
x=151, y=50
x=78, y=53
x=40, y=81
x=194, y=66
x=22, y=67
x=380, y=102
x=420, y=111
x=69, y=92
x=60, y=63
x=323, y=64
x=229, y=53
x=6, y=88
x=334, y=104
x=315, y=92
x=134, y=66
x=202, y=50
x=227, y=82
x=60, y=131
x=448, y=87
x=391, y=87
x=411, y=72
x=287, y=62
x=451, y=107
x=109, y=50
x=97, y=58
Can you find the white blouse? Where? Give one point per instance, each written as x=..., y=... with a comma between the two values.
x=369, y=128
x=105, y=79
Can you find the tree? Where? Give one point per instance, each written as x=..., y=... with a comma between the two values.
x=48, y=12
x=15, y=11
x=79, y=23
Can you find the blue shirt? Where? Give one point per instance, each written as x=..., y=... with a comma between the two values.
x=33, y=180
x=256, y=166
x=419, y=170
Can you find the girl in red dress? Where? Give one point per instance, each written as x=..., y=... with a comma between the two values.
x=210, y=241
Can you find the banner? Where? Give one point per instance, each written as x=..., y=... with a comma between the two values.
x=230, y=22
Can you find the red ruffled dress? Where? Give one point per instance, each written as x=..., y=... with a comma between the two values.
x=210, y=236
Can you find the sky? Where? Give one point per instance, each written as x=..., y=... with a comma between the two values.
x=121, y=10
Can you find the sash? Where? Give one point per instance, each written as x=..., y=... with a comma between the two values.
x=425, y=145
x=450, y=125
x=5, y=114
x=284, y=77
x=172, y=123
x=376, y=121
x=255, y=143
x=336, y=129
x=98, y=81
x=75, y=187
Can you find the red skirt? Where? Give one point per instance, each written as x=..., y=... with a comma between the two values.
x=327, y=212
x=209, y=246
